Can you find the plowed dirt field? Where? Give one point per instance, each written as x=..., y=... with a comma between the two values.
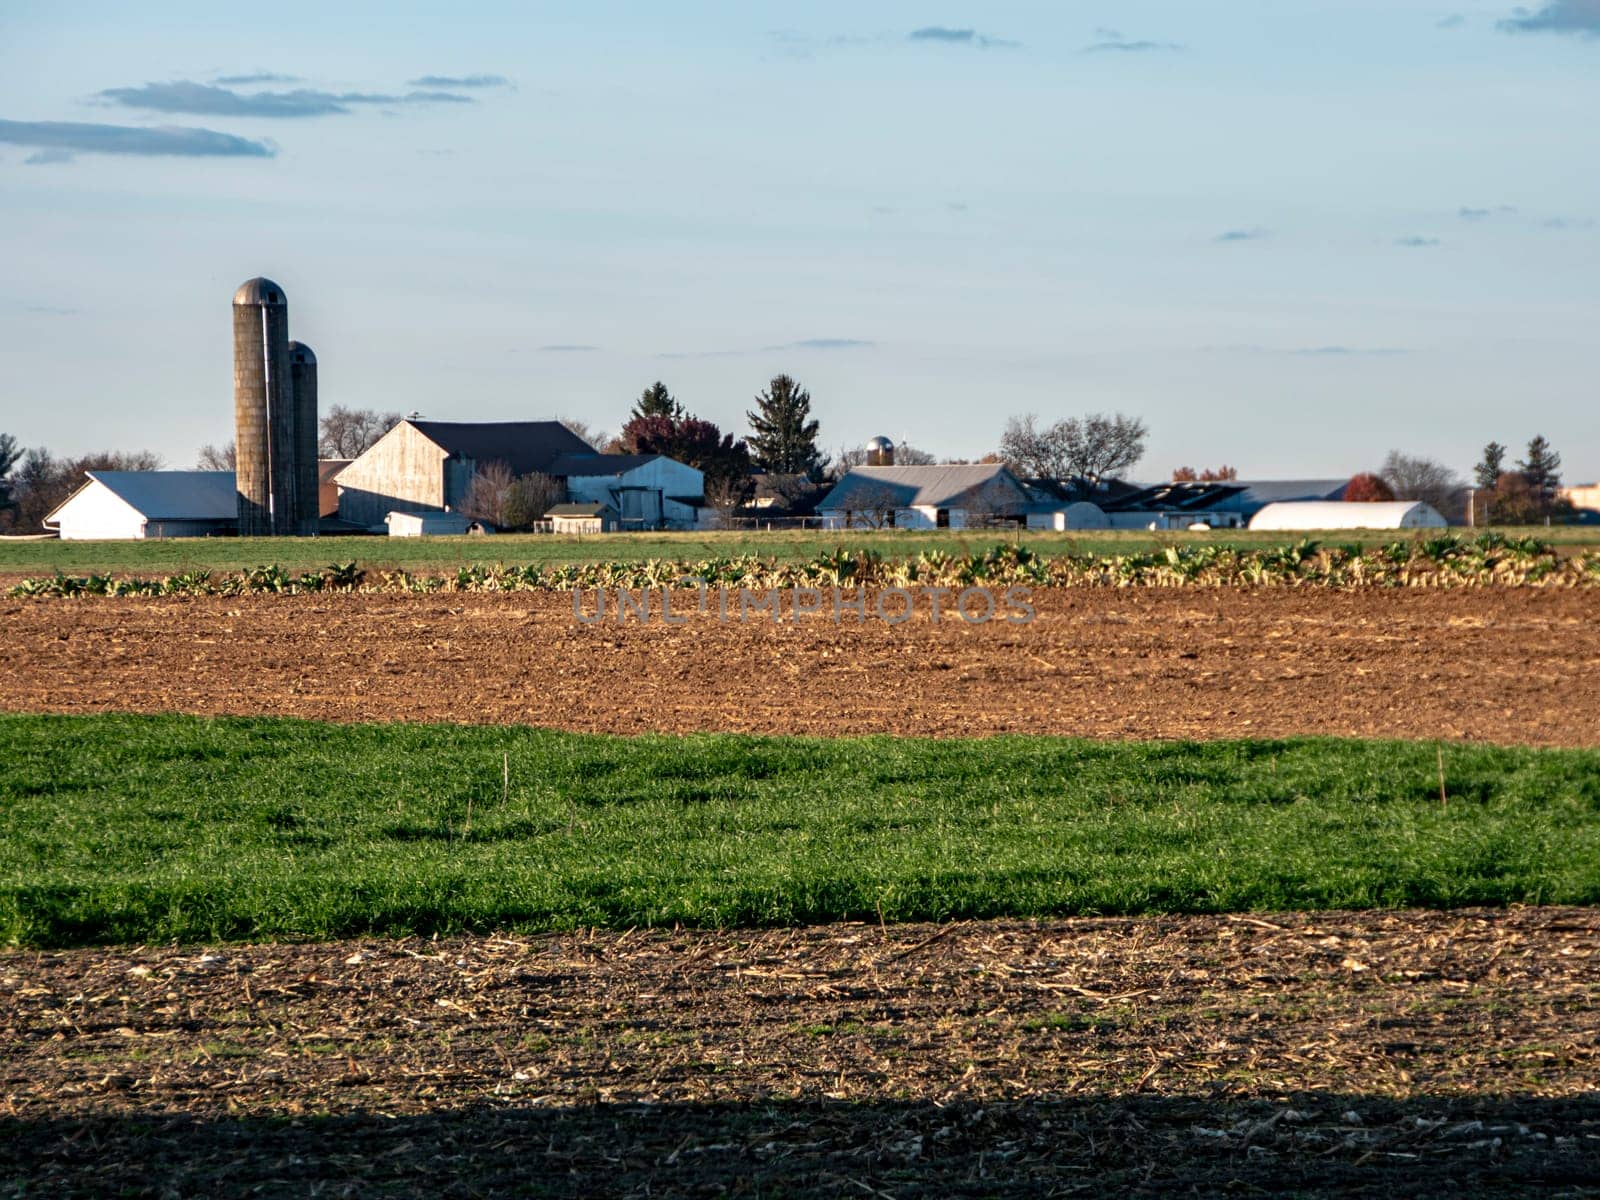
x=1506, y=665
x=1332, y=1053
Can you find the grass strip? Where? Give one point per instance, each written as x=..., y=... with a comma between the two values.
x=125, y=829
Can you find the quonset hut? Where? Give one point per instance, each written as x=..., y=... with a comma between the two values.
x=275, y=416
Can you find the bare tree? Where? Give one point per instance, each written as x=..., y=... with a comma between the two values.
x=350, y=432
x=486, y=495
x=873, y=507
x=850, y=457
x=1416, y=478
x=218, y=458
x=1093, y=447
x=725, y=493
x=598, y=439
x=529, y=498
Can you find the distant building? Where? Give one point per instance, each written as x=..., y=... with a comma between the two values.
x=1218, y=504
x=1341, y=514
x=429, y=466
x=940, y=497
x=1585, y=497
x=588, y=517
x=427, y=524
x=149, y=504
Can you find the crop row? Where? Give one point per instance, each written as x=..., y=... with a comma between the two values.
x=1446, y=560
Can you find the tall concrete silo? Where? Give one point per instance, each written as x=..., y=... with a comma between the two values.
x=307, y=480
x=263, y=410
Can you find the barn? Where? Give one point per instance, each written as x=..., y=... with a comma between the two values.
x=429, y=466
x=148, y=504
x=949, y=496
x=1346, y=514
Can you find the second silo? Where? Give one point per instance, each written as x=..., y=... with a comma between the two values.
x=264, y=411
x=303, y=383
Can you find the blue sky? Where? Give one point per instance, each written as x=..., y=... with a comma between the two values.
x=1290, y=236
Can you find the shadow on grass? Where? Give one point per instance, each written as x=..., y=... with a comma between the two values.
x=1320, y=1143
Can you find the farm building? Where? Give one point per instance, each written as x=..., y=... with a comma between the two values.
x=427, y=524
x=583, y=517
x=148, y=504
x=941, y=497
x=429, y=466
x=648, y=491
x=1340, y=514
x=1218, y=504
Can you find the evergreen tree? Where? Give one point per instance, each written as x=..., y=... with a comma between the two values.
x=656, y=401
x=1487, y=473
x=782, y=440
x=1542, y=470
x=10, y=452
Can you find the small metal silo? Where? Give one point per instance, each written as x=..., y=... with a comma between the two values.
x=880, y=452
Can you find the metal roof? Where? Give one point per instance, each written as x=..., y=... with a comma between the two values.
x=595, y=509
x=260, y=290
x=582, y=465
x=1222, y=495
x=524, y=446
x=174, y=495
x=948, y=485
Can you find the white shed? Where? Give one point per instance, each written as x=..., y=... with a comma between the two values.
x=1077, y=514
x=427, y=524
x=148, y=504
x=1346, y=514
x=582, y=517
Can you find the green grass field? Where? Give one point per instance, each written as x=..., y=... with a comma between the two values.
x=137, y=829
x=299, y=554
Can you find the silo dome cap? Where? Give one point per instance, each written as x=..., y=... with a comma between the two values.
x=260, y=290
x=880, y=443
x=302, y=353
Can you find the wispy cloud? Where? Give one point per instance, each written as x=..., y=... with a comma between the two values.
x=257, y=77
x=175, y=141
x=1467, y=213
x=1342, y=351
x=50, y=310
x=1242, y=235
x=944, y=35
x=568, y=348
x=459, y=81
x=1112, y=41
x=1580, y=18
x=1566, y=223
x=200, y=99
x=1416, y=241
x=1453, y=21
x=1333, y=350
x=825, y=344
x=45, y=158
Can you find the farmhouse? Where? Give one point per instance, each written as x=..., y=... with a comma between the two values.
x=1340, y=514
x=429, y=466
x=148, y=504
x=586, y=517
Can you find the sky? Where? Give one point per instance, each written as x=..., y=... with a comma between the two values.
x=1289, y=236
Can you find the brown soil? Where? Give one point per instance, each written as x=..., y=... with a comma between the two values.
x=1358, y=1053
x=1508, y=665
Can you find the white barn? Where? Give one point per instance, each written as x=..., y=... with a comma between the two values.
x=1348, y=514
x=951, y=496
x=124, y=505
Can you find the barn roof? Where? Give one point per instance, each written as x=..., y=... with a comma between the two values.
x=578, y=509
x=580, y=465
x=524, y=446
x=943, y=486
x=173, y=495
